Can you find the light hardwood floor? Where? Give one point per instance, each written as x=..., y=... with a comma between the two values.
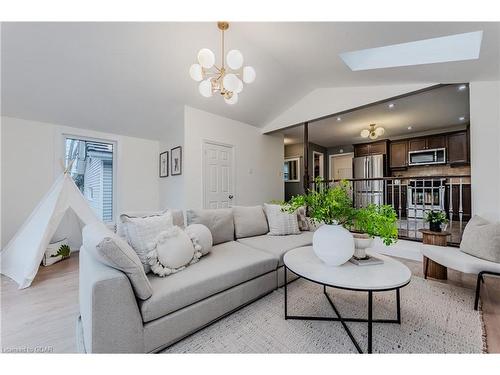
x=44, y=315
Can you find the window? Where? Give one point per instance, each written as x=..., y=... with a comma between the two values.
x=92, y=171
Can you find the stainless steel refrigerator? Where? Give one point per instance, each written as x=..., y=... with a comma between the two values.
x=370, y=191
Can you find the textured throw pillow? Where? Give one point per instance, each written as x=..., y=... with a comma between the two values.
x=481, y=239
x=249, y=221
x=280, y=223
x=302, y=219
x=201, y=237
x=142, y=232
x=113, y=251
x=173, y=251
x=219, y=221
x=177, y=218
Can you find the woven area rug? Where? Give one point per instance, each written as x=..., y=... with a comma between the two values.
x=436, y=318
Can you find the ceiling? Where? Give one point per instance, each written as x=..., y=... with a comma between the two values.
x=427, y=111
x=132, y=78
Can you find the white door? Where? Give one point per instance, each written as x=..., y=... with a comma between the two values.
x=341, y=166
x=218, y=172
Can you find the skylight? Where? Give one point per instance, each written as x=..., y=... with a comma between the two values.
x=456, y=47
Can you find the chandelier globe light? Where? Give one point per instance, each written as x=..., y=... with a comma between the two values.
x=226, y=79
x=372, y=132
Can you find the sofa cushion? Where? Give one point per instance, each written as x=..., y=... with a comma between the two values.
x=142, y=232
x=108, y=248
x=249, y=221
x=453, y=258
x=281, y=223
x=227, y=265
x=481, y=239
x=219, y=221
x=177, y=218
x=278, y=245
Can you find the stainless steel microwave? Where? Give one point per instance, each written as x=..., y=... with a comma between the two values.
x=427, y=157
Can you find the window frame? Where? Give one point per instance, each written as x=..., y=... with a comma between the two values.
x=114, y=143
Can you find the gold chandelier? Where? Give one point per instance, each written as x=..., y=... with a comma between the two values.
x=372, y=132
x=226, y=79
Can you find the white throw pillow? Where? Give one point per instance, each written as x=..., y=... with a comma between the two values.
x=173, y=251
x=281, y=223
x=201, y=237
x=481, y=239
x=142, y=232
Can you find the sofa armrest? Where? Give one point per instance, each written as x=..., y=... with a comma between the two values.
x=110, y=317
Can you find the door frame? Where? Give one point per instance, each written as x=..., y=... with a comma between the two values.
x=321, y=164
x=330, y=161
x=233, y=171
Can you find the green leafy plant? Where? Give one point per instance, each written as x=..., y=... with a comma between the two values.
x=436, y=217
x=377, y=221
x=333, y=205
x=329, y=205
x=63, y=251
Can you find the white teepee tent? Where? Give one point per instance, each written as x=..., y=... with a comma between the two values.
x=21, y=257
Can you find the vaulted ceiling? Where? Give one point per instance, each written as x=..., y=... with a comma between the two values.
x=132, y=78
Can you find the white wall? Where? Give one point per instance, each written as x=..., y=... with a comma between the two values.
x=172, y=187
x=31, y=155
x=258, y=158
x=485, y=148
x=327, y=101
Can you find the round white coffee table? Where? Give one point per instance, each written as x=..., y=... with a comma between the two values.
x=390, y=275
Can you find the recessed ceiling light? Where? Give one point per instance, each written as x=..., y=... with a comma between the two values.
x=462, y=87
x=461, y=118
x=410, y=127
x=339, y=118
x=391, y=105
x=457, y=47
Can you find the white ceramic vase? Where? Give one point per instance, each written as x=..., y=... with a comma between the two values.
x=333, y=244
x=362, y=241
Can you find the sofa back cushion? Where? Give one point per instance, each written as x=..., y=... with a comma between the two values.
x=481, y=239
x=110, y=249
x=249, y=221
x=219, y=221
x=281, y=223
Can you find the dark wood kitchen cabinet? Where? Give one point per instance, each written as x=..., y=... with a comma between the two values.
x=367, y=149
x=458, y=148
x=427, y=143
x=435, y=141
x=398, y=154
x=416, y=144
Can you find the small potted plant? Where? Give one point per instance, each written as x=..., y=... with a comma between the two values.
x=372, y=221
x=435, y=219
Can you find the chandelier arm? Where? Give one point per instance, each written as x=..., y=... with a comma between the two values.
x=222, y=56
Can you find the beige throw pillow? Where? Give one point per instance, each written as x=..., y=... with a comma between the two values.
x=481, y=239
x=281, y=223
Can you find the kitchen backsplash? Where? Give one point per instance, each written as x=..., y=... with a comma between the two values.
x=434, y=170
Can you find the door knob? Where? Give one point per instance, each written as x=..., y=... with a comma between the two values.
x=231, y=196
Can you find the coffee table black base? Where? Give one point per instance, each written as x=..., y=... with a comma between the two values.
x=343, y=320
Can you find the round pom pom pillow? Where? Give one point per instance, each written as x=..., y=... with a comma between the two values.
x=172, y=252
x=201, y=237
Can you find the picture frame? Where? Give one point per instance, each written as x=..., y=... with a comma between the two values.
x=176, y=161
x=163, y=164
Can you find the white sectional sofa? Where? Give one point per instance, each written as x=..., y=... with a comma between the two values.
x=240, y=269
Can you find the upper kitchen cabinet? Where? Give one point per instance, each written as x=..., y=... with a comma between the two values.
x=427, y=143
x=367, y=149
x=398, y=154
x=458, y=148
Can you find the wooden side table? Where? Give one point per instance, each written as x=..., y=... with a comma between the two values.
x=434, y=270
